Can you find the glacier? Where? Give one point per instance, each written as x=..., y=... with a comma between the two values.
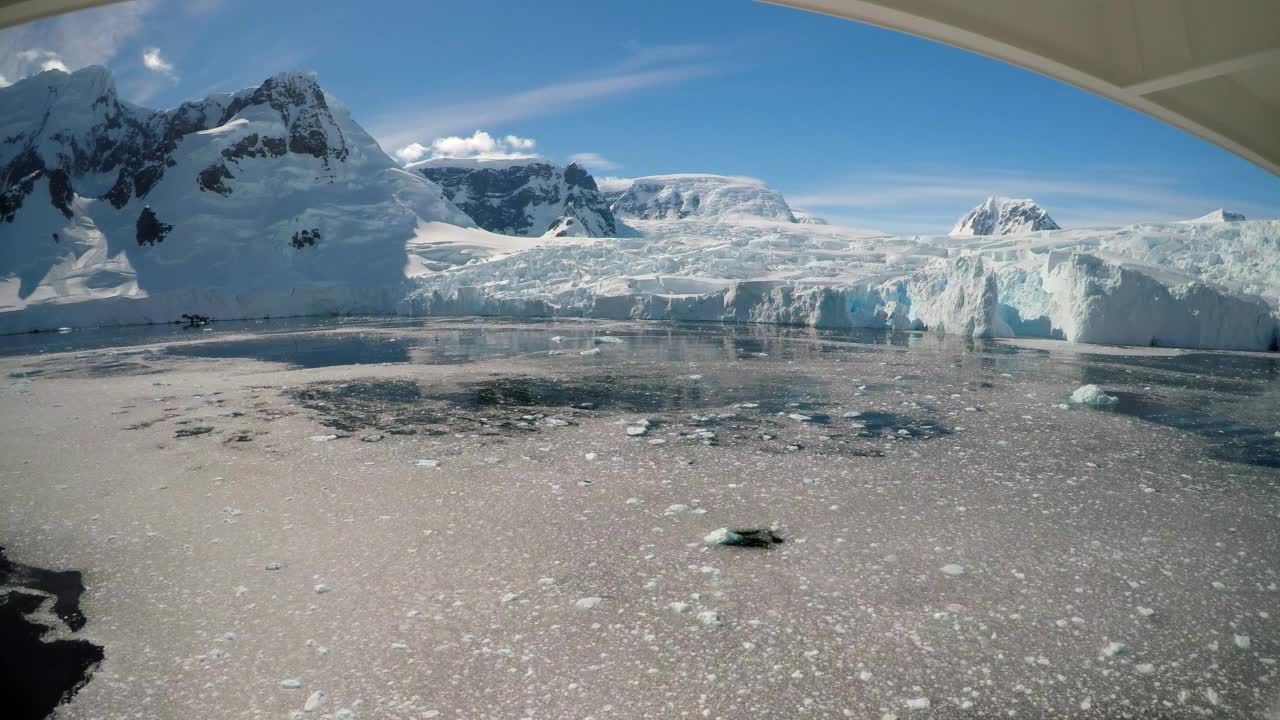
x=273, y=201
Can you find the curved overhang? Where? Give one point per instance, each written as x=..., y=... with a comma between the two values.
x=17, y=12
x=1210, y=67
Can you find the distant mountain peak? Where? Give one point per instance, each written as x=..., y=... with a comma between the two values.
x=677, y=196
x=1004, y=216
x=1218, y=216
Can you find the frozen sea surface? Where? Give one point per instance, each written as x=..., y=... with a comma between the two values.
x=471, y=519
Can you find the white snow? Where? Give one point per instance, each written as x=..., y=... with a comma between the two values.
x=953, y=569
x=723, y=536
x=668, y=197
x=1218, y=216
x=589, y=603
x=1004, y=216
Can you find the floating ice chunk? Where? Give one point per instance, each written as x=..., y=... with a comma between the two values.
x=1144, y=668
x=1243, y=642
x=402, y=647
x=1145, y=611
x=322, y=438
x=555, y=422
x=321, y=589
x=1114, y=648
x=273, y=566
x=590, y=456
x=710, y=618
x=680, y=607
x=512, y=597
x=865, y=676
x=426, y=463
x=1218, y=585
x=657, y=441
x=314, y=702
x=291, y=683
x=800, y=418
x=344, y=714
x=1093, y=396
x=676, y=509
x=546, y=581
x=376, y=437
x=918, y=703
x=763, y=537
x=851, y=415
x=953, y=569
x=557, y=339
x=589, y=603
x=607, y=340
x=637, y=430
x=592, y=351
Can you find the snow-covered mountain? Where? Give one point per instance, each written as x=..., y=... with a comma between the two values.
x=805, y=217
x=255, y=194
x=669, y=197
x=525, y=197
x=1004, y=216
x=1218, y=216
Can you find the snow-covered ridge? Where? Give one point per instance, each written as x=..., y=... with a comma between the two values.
x=524, y=197
x=1218, y=216
x=1004, y=216
x=671, y=197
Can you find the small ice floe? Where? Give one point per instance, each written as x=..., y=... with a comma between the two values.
x=427, y=463
x=322, y=438
x=274, y=566
x=314, y=702
x=376, y=437
x=512, y=597
x=1093, y=396
x=555, y=422
x=291, y=683
x=851, y=415
x=695, y=377
x=547, y=581
x=557, y=339
x=865, y=676
x=1144, y=668
x=800, y=418
x=710, y=618
x=1114, y=648
x=321, y=589
x=679, y=607
x=953, y=569
x=918, y=703
x=590, y=456
x=756, y=537
x=592, y=351
x=607, y=340
x=752, y=406
x=1243, y=642
x=589, y=603
x=638, y=428
x=1145, y=611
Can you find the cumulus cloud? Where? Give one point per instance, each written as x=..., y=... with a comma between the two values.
x=71, y=41
x=479, y=145
x=594, y=161
x=4, y=81
x=152, y=60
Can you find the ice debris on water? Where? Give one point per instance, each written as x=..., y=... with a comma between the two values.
x=1243, y=642
x=589, y=603
x=1092, y=396
x=756, y=537
x=291, y=683
x=273, y=566
x=1114, y=648
x=710, y=618
x=322, y=438
x=953, y=569
x=606, y=339
x=592, y=351
x=918, y=703
x=376, y=437
x=321, y=589
x=427, y=463
x=314, y=702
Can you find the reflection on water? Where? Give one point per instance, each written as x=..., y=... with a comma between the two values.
x=1232, y=400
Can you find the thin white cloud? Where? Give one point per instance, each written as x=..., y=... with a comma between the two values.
x=4, y=81
x=155, y=62
x=594, y=161
x=401, y=129
x=478, y=145
x=71, y=41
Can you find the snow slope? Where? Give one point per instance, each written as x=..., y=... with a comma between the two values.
x=524, y=197
x=671, y=197
x=1004, y=216
x=249, y=203
x=1217, y=216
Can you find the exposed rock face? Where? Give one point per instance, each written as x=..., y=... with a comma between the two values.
x=672, y=197
x=1004, y=216
x=526, y=197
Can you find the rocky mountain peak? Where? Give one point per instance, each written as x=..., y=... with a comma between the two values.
x=1004, y=216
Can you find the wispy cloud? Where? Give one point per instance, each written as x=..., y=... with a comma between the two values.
x=155, y=62
x=479, y=145
x=594, y=161
x=72, y=41
x=640, y=71
x=929, y=202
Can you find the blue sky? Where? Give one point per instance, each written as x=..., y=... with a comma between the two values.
x=864, y=126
